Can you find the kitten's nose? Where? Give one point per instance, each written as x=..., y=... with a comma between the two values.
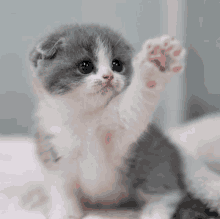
x=108, y=76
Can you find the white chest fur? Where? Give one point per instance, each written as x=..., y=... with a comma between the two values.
x=93, y=143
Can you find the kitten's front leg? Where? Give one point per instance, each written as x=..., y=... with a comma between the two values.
x=157, y=62
x=59, y=180
x=63, y=203
x=154, y=66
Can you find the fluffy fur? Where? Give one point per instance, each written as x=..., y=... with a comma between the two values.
x=94, y=105
x=199, y=142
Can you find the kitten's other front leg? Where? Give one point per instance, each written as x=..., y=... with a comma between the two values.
x=157, y=62
x=64, y=203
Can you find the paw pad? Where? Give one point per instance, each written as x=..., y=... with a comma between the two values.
x=177, y=69
x=163, y=52
x=151, y=84
x=176, y=53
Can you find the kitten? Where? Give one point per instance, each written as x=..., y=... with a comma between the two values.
x=94, y=105
x=198, y=141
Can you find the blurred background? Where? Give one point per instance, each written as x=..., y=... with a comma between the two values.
x=195, y=23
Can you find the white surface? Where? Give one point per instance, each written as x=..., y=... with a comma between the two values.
x=17, y=167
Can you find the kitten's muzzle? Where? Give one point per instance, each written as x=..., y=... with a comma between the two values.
x=108, y=77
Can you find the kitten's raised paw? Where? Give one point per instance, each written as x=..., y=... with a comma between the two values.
x=164, y=54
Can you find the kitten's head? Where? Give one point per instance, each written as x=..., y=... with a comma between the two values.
x=90, y=59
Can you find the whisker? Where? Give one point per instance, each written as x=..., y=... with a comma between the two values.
x=119, y=40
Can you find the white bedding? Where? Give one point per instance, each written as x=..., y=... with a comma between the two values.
x=17, y=167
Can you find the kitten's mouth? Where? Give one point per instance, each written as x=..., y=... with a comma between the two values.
x=108, y=84
x=107, y=88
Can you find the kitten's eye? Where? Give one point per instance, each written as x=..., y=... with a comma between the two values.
x=86, y=67
x=117, y=65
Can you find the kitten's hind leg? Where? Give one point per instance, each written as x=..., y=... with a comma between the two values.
x=161, y=206
x=202, y=182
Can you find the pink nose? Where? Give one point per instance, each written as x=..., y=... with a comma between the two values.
x=108, y=77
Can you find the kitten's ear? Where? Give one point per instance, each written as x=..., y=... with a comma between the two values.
x=46, y=50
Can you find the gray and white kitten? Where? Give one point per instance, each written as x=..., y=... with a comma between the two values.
x=94, y=106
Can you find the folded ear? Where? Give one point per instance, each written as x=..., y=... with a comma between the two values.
x=46, y=49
